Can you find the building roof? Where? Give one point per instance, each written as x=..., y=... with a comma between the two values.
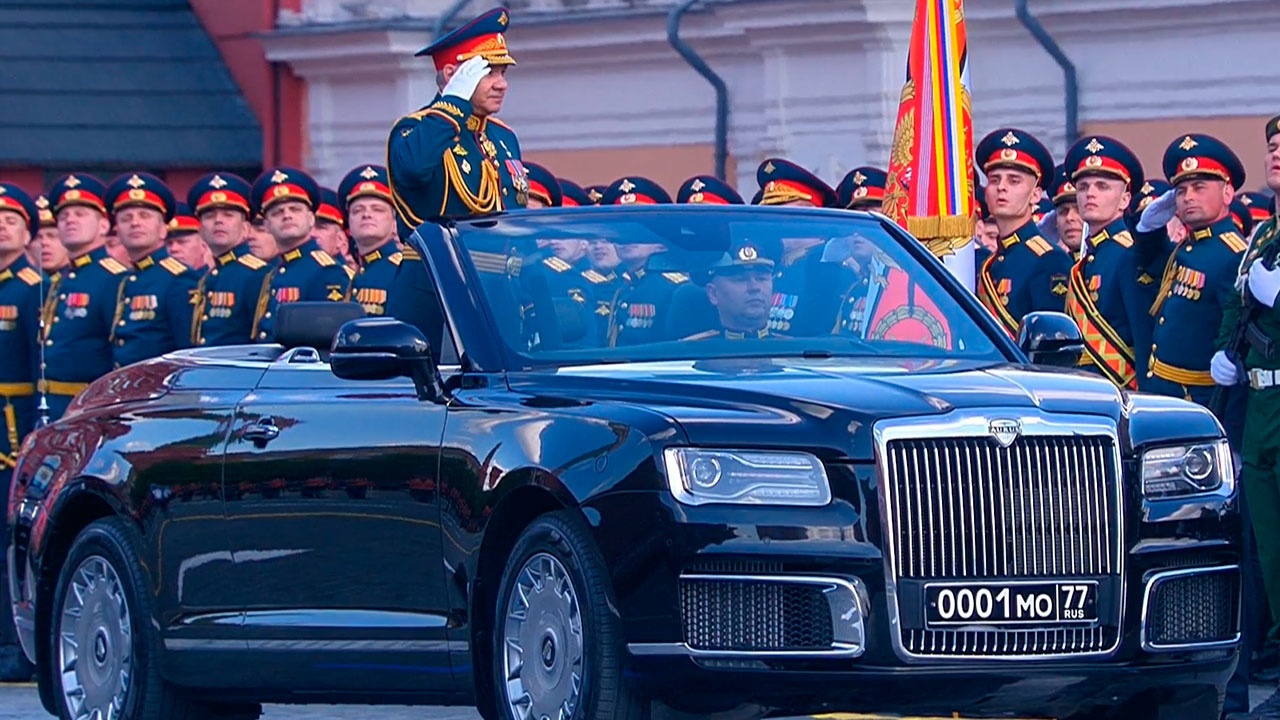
x=134, y=83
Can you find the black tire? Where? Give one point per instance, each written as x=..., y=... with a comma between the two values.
x=603, y=692
x=146, y=695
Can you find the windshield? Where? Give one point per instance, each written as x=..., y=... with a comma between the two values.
x=676, y=283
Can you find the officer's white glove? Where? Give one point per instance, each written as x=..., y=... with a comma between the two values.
x=1048, y=226
x=1264, y=284
x=1222, y=370
x=1158, y=213
x=466, y=78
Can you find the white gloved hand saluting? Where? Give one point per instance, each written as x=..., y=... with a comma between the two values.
x=1264, y=284
x=466, y=78
x=1159, y=212
x=1222, y=370
x=1048, y=226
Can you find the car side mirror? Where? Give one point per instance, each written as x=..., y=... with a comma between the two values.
x=1051, y=338
x=385, y=348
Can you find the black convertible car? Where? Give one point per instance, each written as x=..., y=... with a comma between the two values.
x=588, y=494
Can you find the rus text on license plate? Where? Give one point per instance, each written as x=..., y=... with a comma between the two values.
x=1033, y=603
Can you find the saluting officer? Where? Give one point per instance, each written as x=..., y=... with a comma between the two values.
x=642, y=304
x=862, y=189
x=454, y=158
x=79, y=308
x=228, y=293
x=1197, y=284
x=1109, y=295
x=785, y=184
x=157, y=300
x=1026, y=273
x=1260, y=445
x=286, y=197
x=366, y=196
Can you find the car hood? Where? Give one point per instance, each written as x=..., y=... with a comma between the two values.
x=823, y=403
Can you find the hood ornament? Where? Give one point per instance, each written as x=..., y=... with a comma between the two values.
x=1005, y=431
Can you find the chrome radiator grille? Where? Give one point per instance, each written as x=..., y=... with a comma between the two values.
x=968, y=508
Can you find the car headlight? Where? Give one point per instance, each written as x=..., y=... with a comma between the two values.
x=757, y=477
x=1187, y=469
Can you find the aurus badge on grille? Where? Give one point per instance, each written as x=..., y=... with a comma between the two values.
x=1005, y=431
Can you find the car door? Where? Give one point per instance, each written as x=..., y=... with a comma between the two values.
x=334, y=527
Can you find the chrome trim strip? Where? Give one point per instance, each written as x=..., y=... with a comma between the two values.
x=847, y=599
x=970, y=424
x=1163, y=576
x=210, y=644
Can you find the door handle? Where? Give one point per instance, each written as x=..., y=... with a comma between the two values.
x=262, y=432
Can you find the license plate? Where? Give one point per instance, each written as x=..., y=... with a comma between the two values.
x=1054, y=603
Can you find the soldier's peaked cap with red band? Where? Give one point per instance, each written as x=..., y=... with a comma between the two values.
x=863, y=186
x=483, y=37
x=15, y=199
x=707, y=190
x=635, y=190
x=544, y=185
x=1105, y=156
x=782, y=181
x=78, y=189
x=278, y=184
x=140, y=189
x=1201, y=156
x=574, y=194
x=1018, y=149
x=364, y=181
x=220, y=190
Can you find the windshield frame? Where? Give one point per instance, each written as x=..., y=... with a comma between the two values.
x=515, y=361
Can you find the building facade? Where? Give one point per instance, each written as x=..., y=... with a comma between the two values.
x=599, y=92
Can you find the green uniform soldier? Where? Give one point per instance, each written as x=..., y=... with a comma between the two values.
x=1261, y=446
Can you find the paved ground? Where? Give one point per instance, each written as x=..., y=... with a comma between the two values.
x=19, y=702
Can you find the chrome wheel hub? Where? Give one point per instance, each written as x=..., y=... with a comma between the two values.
x=95, y=643
x=542, y=639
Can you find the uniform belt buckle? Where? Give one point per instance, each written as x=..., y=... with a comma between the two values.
x=1262, y=379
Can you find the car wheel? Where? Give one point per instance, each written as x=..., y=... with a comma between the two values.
x=557, y=639
x=103, y=647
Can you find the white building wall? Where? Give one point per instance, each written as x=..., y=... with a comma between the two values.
x=814, y=80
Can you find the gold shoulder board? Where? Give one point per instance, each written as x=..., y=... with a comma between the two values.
x=323, y=258
x=29, y=276
x=113, y=266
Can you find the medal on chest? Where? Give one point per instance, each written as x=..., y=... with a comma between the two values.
x=8, y=317
x=143, y=308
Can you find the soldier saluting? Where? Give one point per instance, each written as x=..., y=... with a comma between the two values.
x=454, y=158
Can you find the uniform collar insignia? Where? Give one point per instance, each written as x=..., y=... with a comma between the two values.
x=292, y=255
x=227, y=257
x=82, y=260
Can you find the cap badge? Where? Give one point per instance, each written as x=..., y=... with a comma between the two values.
x=136, y=194
x=1068, y=187
x=1093, y=161
x=71, y=181
x=42, y=202
x=860, y=192
x=1188, y=143
x=1010, y=139
x=697, y=186
x=1008, y=154
x=769, y=168
x=1245, y=200
x=218, y=197
x=278, y=177
x=2, y=190
x=626, y=186
x=746, y=252
x=135, y=182
x=368, y=173
x=1094, y=146
x=502, y=19
x=217, y=182
x=279, y=191
x=1147, y=189
x=859, y=178
x=365, y=187
x=1190, y=164
x=696, y=198
x=71, y=195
